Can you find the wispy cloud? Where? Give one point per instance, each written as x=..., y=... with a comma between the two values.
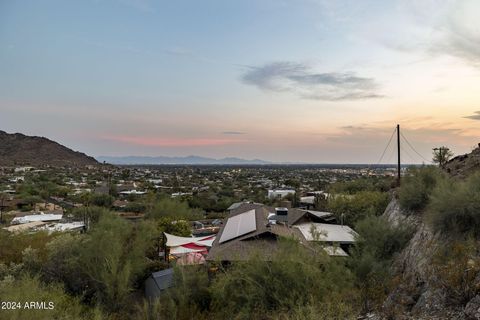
x=301, y=80
x=475, y=116
x=437, y=27
x=233, y=132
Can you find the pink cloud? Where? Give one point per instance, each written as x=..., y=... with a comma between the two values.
x=172, y=142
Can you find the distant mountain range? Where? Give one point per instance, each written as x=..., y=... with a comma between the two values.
x=177, y=160
x=19, y=149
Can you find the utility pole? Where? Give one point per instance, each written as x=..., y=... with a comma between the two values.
x=398, y=154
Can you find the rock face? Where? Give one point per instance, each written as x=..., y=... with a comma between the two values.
x=464, y=165
x=472, y=309
x=414, y=296
x=18, y=149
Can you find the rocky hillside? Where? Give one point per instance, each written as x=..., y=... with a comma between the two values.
x=416, y=294
x=19, y=149
x=464, y=165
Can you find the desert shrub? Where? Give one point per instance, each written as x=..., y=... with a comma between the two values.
x=455, y=207
x=90, y=213
x=167, y=207
x=63, y=264
x=176, y=227
x=417, y=187
x=454, y=268
x=13, y=244
x=356, y=207
x=189, y=298
x=27, y=289
x=382, y=184
x=377, y=244
x=294, y=278
x=101, y=200
x=113, y=257
x=381, y=238
x=137, y=207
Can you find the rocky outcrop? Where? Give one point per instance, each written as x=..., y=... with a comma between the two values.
x=414, y=296
x=472, y=309
x=464, y=165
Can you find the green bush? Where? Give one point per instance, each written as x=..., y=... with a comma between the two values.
x=189, y=298
x=417, y=187
x=294, y=279
x=379, y=237
x=356, y=207
x=113, y=258
x=455, y=207
x=453, y=268
x=371, y=258
x=167, y=207
x=29, y=289
x=381, y=184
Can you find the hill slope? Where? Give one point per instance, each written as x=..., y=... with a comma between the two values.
x=19, y=149
x=463, y=165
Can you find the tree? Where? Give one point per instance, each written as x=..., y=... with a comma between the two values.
x=441, y=156
x=355, y=207
x=113, y=257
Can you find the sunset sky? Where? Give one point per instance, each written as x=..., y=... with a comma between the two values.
x=305, y=81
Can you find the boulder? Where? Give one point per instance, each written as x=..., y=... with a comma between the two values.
x=472, y=309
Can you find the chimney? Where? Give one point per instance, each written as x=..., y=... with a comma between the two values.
x=281, y=214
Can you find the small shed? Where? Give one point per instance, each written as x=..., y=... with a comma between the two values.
x=158, y=282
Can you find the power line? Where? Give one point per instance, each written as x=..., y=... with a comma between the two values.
x=407, y=153
x=392, y=154
x=386, y=147
x=414, y=150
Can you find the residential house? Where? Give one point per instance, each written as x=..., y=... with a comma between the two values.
x=256, y=229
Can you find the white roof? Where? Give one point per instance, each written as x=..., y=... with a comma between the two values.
x=335, y=251
x=307, y=199
x=67, y=226
x=183, y=250
x=327, y=232
x=320, y=214
x=37, y=217
x=132, y=192
x=175, y=241
x=25, y=226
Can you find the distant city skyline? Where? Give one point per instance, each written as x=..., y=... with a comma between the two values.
x=311, y=81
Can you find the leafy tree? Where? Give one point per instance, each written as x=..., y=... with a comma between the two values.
x=64, y=264
x=167, y=207
x=352, y=208
x=441, y=156
x=90, y=214
x=101, y=200
x=113, y=256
